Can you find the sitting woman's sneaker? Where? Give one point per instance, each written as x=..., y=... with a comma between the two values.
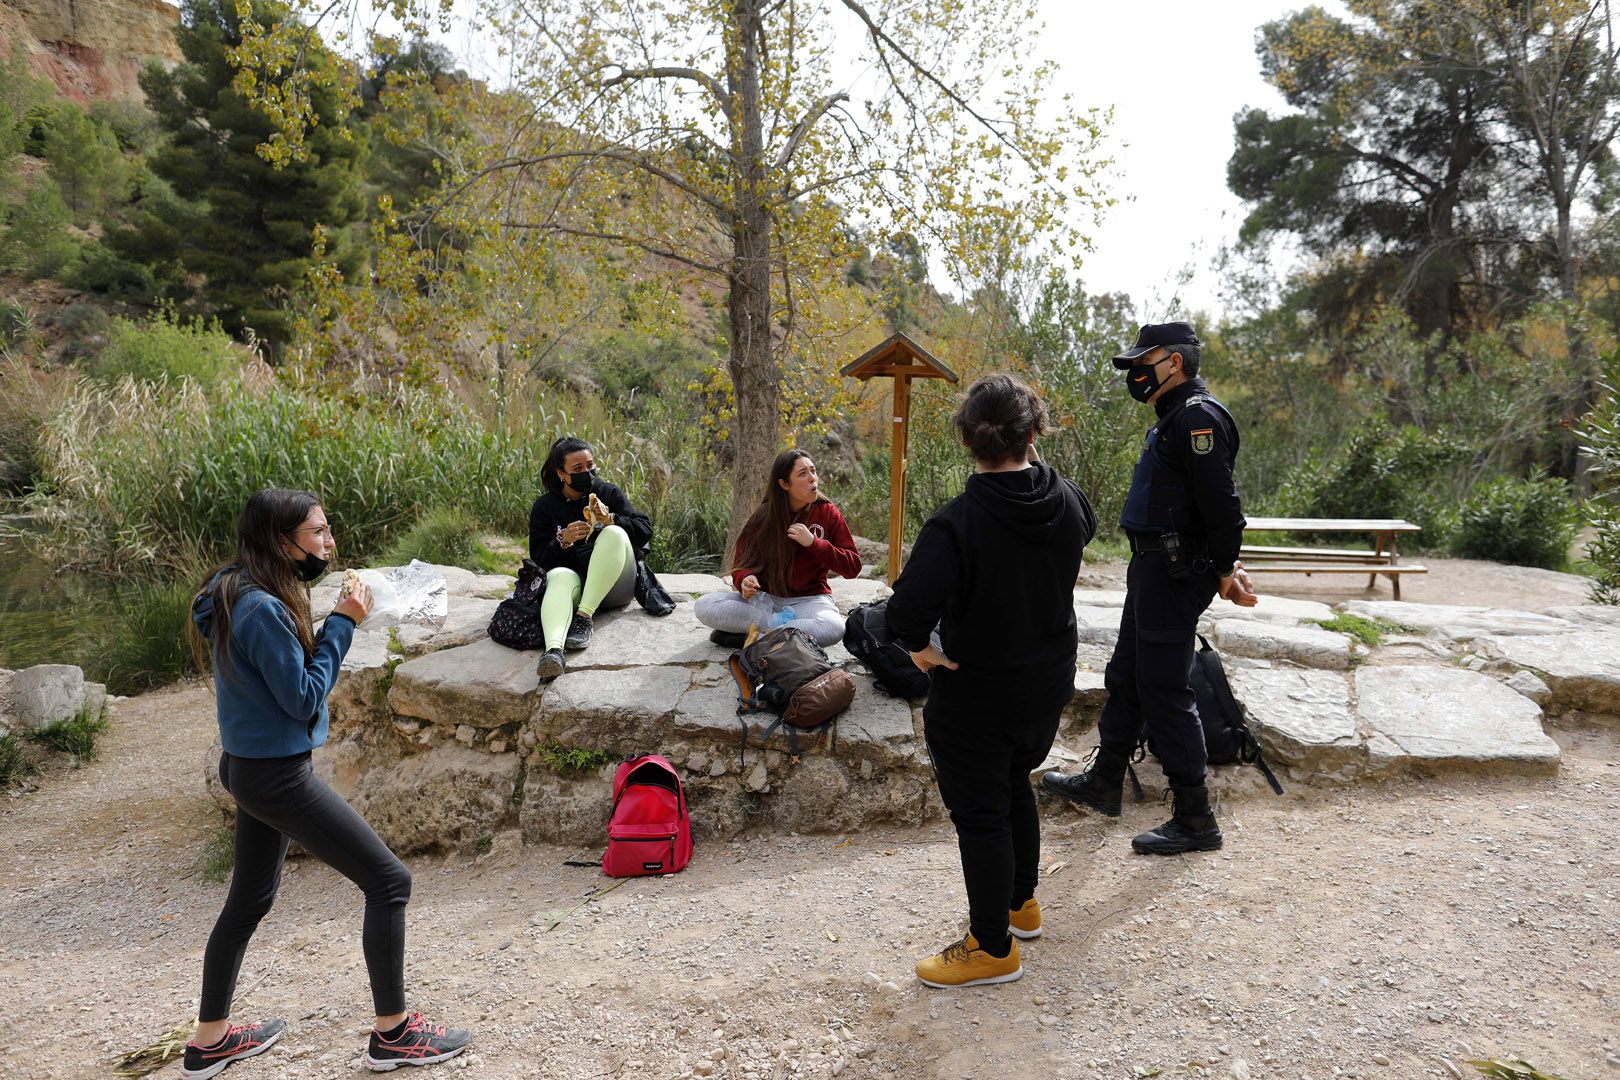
x=579, y=632
x=239, y=1042
x=552, y=665
x=415, y=1042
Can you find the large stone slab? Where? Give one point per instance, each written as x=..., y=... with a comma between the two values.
x=448, y=798
x=1458, y=622
x=466, y=621
x=708, y=711
x=46, y=694
x=620, y=710
x=1311, y=646
x=359, y=692
x=1097, y=625
x=1302, y=718
x=1450, y=717
x=1601, y=615
x=876, y=727
x=1581, y=669
x=1102, y=598
x=1273, y=609
x=483, y=685
x=850, y=593
x=633, y=638
x=681, y=586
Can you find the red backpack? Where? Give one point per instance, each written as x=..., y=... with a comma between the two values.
x=649, y=831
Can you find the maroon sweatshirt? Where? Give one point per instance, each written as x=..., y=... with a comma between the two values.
x=833, y=549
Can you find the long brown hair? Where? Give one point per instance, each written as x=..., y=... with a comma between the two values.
x=764, y=546
x=267, y=517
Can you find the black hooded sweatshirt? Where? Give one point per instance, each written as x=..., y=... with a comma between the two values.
x=996, y=568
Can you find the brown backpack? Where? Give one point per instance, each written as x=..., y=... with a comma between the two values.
x=784, y=671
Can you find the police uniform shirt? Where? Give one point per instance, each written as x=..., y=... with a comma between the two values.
x=1183, y=480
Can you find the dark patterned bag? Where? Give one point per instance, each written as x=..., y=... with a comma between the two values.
x=516, y=623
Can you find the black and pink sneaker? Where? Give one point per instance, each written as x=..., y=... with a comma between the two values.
x=418, y=1043
x=239, y=1042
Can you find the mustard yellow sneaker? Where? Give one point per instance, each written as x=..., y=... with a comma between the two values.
x=1025, y=923
x=965, y=964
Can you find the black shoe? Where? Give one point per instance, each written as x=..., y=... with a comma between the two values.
x=726, y=639
x=1099, y=787
x=421, y=1043
x=579, y=632
x=239, y=1042
x=1192, y=828
x=552, y=665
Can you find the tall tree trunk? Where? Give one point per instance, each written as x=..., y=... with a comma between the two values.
x=754, y=378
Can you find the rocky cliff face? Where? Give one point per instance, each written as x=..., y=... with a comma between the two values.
x=91, y=49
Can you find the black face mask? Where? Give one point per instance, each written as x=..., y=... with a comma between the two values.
x=583, y=482
x=310, y=567
x=1143, y=380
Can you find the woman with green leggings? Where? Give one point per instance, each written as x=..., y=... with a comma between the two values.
x=590, y=567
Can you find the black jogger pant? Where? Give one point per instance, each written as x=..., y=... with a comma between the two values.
x=982, y=757
x=1149, y=676
x=281, y=799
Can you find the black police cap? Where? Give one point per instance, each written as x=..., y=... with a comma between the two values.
x=1155, y=335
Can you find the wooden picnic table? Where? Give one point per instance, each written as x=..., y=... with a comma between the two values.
x=1382, y=559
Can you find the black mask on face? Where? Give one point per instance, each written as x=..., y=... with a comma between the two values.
x=583, y=482
x=1143, y=380
x=310, y=567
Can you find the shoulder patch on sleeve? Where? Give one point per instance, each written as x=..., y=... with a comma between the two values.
x=1203, y=440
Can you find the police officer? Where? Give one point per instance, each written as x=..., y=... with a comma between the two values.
x=1185, y=525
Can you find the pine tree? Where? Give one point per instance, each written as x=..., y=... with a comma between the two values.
x=237, y=240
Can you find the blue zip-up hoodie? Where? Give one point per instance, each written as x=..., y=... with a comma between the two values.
x=270, y=701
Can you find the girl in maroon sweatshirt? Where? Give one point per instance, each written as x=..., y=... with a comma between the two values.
x=783, y=555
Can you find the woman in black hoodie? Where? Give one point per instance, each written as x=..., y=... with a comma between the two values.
x=995, y=567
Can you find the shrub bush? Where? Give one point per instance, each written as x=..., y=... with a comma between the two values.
x=165, y=348
x=1600, y=439
x=1382, y=472
x=1529, y=522
x=13, y=762
x=447, y=536
x=76, y=736
x=104, y=271
x=143, y=641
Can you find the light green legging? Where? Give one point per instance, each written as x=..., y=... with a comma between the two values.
x=610, y=581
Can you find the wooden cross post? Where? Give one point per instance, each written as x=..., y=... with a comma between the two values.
x=901, y=359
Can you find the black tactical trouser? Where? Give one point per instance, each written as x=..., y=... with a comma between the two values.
x=1148, y=677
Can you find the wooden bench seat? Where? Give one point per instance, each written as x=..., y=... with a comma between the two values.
x=1373, y=570
x=1281, y=554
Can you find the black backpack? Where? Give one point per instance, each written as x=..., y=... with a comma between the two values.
x=516, y=622
x=1227, y=737
x=867, y=637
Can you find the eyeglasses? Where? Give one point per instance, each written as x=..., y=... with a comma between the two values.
x=318, y=530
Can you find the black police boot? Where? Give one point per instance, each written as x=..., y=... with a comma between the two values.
x=1191, y=828
x=1099, y=787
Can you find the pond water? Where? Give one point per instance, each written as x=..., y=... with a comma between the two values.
x=45, y=617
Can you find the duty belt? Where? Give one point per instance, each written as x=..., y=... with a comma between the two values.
x=1142, y=543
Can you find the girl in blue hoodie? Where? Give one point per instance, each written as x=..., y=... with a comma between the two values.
x=272, y=674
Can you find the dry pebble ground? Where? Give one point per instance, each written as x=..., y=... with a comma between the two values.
x=1374, y=931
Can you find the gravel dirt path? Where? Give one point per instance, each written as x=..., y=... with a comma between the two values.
x=1386, y=930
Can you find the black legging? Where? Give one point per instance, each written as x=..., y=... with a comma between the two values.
x=280, y=799
x=983, y=755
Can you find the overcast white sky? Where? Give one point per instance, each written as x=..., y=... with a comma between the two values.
x=1176, y=71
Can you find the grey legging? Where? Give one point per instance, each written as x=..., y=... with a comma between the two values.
x=817, y=616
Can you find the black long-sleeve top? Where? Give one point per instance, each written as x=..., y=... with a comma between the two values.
x=551, y=513
x=995, y=567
